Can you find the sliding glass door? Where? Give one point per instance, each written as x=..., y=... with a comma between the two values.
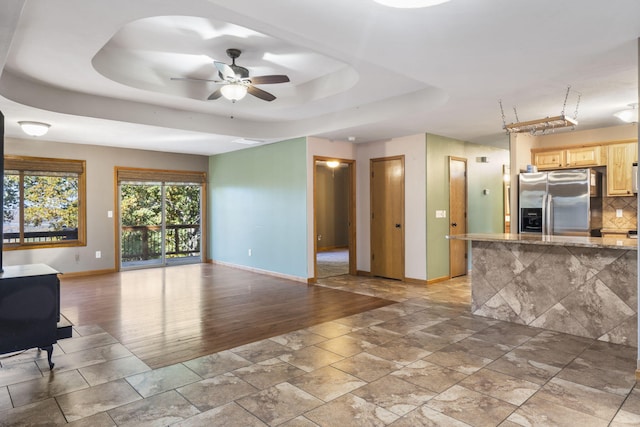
x=160, y=223
x=182, y=223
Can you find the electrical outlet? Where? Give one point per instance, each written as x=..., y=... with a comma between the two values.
x=618, y=213
x=98, y=254
x=77, y=257
x=441, y=214
x=319, y=237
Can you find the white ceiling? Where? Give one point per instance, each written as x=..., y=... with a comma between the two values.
x=99, y=71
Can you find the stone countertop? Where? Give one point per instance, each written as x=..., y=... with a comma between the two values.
x=537, y=239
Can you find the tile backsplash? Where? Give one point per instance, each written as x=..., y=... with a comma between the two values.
x=629, y=206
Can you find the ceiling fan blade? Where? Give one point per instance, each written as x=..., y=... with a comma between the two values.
x=195, y=79
x=265, y=80
x=225, y=71
x=215, y=95
x=259, y=93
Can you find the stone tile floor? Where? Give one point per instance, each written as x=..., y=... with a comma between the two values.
x=424, y=361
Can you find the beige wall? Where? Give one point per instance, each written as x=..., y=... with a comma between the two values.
x=615, y=133
x=521, y=144
x=413, y=148
x=100, y=163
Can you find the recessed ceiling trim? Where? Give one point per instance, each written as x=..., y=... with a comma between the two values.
x=410, y=4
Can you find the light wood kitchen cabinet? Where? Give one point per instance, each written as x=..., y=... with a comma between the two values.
x=551, y=159
x=620, y=158
x=583, y=156
x=569, y=157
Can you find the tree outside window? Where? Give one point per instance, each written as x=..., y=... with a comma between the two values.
x=43, y=203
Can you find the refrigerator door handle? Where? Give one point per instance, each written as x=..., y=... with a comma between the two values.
x=549, y=215
x=544, y=214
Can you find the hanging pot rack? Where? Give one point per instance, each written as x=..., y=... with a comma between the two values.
x=544, y=125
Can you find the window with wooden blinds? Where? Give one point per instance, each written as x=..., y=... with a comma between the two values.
x=44, y=203
x=159, y=175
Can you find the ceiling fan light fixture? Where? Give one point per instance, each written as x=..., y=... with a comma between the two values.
x=34, y=128
x=234, y=91
x=630, y=115
x=410, y=4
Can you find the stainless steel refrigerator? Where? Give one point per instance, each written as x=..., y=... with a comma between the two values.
x=562, y=202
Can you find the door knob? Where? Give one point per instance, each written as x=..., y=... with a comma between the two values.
x=454, y=224
x=398, y=226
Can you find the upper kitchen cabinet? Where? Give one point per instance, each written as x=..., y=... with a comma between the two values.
x=568, y=157
x=548, y=159
x=620, y=158
x=584, y=156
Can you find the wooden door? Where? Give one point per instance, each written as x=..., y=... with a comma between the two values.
x=457, y=216
x=387, y=217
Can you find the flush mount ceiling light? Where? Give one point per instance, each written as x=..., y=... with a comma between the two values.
x=630, y=115
x=410, y=4
x=333, y=164
x=34, y=128
x=234, y=91
x=544, y=125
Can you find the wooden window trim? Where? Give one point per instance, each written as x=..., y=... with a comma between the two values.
x=42, y=164
x=159, y=175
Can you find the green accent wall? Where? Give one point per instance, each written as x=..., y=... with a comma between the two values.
x=257, y=201
x=484, y=211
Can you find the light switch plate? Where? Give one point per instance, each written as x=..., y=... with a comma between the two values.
x=618, y=213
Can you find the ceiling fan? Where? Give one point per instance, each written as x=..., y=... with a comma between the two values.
x=236, y=82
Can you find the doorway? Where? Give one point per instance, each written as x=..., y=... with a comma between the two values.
x=387, y=217
x=334, y=217
x=458, y=215
x=159, y=218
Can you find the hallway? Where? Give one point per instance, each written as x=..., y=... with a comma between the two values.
x=333, y=263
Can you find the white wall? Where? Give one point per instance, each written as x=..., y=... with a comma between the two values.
x=100, y=163
x=414, y=149
x=326, y=148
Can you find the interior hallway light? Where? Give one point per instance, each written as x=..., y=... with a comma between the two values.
x=630, y=115
x=410, y=4
x=234, y=91
x=34, y=128
x=333, y=164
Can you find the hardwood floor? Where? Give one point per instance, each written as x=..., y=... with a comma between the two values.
x=169, y=315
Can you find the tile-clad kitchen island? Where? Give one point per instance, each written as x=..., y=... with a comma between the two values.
x=584, y=286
